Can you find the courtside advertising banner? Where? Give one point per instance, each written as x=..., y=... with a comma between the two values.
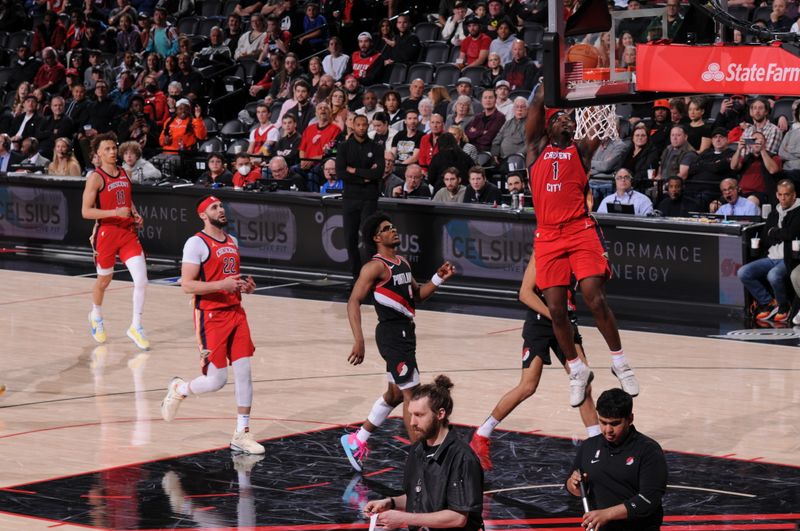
x=39, y=213
x=717, y=69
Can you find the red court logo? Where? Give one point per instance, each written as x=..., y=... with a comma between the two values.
x=402, y=369
x=629, y=461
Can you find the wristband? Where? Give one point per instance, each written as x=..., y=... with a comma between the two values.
x=436, y=280
x=391, y=500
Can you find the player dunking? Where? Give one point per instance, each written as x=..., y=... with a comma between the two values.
x=210, y=272
x=395, y=291
x=538, y=340
x=568, y=240
x=107, y=198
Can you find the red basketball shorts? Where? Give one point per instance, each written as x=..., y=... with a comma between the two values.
x=223, y=335
x=110, y=241
x=577, y=249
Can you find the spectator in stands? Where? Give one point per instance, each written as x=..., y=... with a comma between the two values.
x=677, y=157
x=323, y=89
x=282, y=86
x=414, y=186
x=674, y=20
x=449, y=155
x=494, y=70
x=216, y=51
x=495, y=15
x=22, y=92
x=121, y=95
x=169, y=74
x=189, y=78
x=384, y=35
x=677, y=111
x=104, y=112
x=777, y=20
x=698, y=131
x=391, y=106
x=271, y=7
x=152, y=67
x=76, y=31
x=521, y=72
x=51, y=74
x=484, y=127
x=452, y=191
x=145, y=25
x=504, y=104
x=8, y=158
x=354, y=92
x=155, y=102
x=245, y=8
x=26, y=123
x=475, y=46
x=425, y=112
x=781, y=228
x=55, y=126
x=245, y=171
x=404, y=48
x=389, y=179
x=626, y=195
x=789, y=150
x=511, y=138
x=463, y=141
x=367, y=63
x=128, y=64
x=135, y=125
x=50, y=32
x=758, y=169
x=709, y=168
x=25, y=65
x=123, y=8
x=164, y=38
x=182, y=131
x=676, y=204
x=128, y=38
x=429, y=145
x=32, y=160
x=332, y=183
x=502, y=44
x=454, y=31
x=274, y=71
x=338, y=102
x=734, y=204
x=217, y=175
x=464, y=88
x=264, y=136
x=462, y=112
x=759, y=112
x=78, y=108
x=280, y=171
x=416, y=91
x=315, y=30
x=233, y=32
x=317, y=142
x=628, y=59
x=515, y=184
x=288, y=146
x=302, y=108
x=381, y=133
x=732, y=113
x=336, y=63
x=480, y=190
x=369, y=102
x=64, y=161
x=251, y=43
x=139, y=170
x=641, y=156
x=406, y=143
x=440, y=98
x=275, y=40
x=660, y=127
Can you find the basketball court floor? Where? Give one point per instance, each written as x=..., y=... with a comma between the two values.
x=83, y=446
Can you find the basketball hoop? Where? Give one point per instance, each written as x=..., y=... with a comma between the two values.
x=599, y=121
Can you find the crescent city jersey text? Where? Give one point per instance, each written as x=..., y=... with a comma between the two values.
x=394, y=297
x=559, y=184
x=222, y=262
x=115, y=193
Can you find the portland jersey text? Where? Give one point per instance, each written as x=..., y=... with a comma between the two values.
x=394, y=297
x=559, y=184
x=116, y=192
x=222, y=262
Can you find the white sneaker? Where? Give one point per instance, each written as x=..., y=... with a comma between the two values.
x=171, y=402
x=626, y=379
x=796, y=319
x=578, y=382
x=243, y=442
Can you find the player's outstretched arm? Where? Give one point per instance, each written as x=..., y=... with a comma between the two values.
x=526, y=294
x=88, y=209
x=369, y=275
x=445, y=271
x=534, y=125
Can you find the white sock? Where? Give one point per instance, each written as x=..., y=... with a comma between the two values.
x=242, y=422
x=97, y=312
x=379, y=412
x=618, y=358
x=591, y=431
x=362, y=434
x=488, y=426
x=138, y=270
x=576, y=366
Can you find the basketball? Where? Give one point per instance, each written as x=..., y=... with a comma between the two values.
x=583, y=53
x=2, y=388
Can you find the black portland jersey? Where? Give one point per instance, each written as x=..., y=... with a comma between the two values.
x=394, y=298
x=534, y=317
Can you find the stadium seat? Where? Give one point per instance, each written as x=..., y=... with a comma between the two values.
x=380, y=89
x=232, y=83
x=275, y=111
x=427, y=31
x=239, y=146
x=762, y=13
x=713, y=106
x=6, y=77
x=250, y=68
x=402, y=90
x=19, y=38
x=436, y=53
x=624, y=110
x=454, y=51
x=423, y=71
x=198, y=42
x=485, y=160
x=211, y=8
x=188, y=25
x=478, y=74
x=516, y=162
x=3, y=39
x=740, y=12
x=211, y=125
x=204, y=25
x=212, y=145
x=228, y=7
x=532, y=35
x=251, y=108
x=397, y=73
x=783, y=107
x=447, y=75
x=517, y=93
x=233, y=129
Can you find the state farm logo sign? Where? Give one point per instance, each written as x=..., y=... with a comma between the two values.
x=772, y=72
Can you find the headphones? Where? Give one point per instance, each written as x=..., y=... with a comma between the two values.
x=68, y=142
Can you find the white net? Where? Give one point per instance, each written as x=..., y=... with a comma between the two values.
x=596, y=122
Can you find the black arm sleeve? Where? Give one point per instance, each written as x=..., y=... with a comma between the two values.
x=652, y=484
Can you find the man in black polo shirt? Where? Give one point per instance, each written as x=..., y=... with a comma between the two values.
x=359, y=163
x=443, y=480
x=624, y=471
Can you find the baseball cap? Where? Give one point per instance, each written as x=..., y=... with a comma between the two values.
x=183, y=101
x=472, y=19
x=503, y=83
x=661, y=103
x=719, y=131
x=460, y=5
x=71, y=72
x=365, y=35
x=466, y=80
x=160, y=7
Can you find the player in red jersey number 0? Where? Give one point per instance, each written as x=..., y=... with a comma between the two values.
x=568, y=240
